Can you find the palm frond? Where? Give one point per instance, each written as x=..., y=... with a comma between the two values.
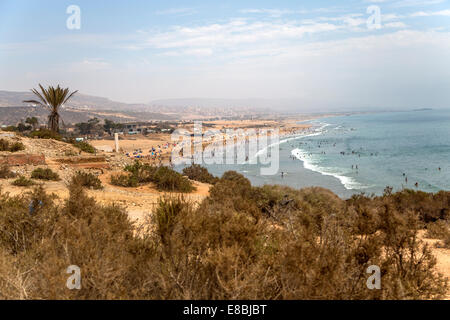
x=70, y=96
x=52, y=98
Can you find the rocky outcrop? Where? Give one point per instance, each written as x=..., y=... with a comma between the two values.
x=22, y=159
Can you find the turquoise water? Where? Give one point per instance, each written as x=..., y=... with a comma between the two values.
x=397, y=149
x=389, y=149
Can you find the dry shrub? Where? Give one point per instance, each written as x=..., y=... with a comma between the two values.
x=45, y=174
x=242, y=242
x=47, y=239
x=164, y=178
x=87, y=180
x=199, y=173
x=23, y=182
x=84, y=146
x=25, y=220
x=15, y=279
x=5, y=145
x=124, y=180
x=446, y=242
x=6, y=173
x=437, y=230
x=306, y=249
x=167, y=179
x=430, y=207
x=409, y=266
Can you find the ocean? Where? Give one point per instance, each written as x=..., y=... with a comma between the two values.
x=363, y=153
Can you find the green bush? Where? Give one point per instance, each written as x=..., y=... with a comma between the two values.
x=124, y=180
x=167, y=179
x=84, y=146
x=45, y=134
x=142, y=173
x=5, y=145
x=23, y=182
x=10, y=129
x=199, y=173
x=164, y=178
x=44, y=174
x=87, y=180
x=16, y=146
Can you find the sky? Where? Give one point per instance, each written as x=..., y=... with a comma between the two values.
x=314, y=55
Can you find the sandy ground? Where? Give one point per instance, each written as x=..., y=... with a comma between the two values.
x=442, y=257
x=138, y=201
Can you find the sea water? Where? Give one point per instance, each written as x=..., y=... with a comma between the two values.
x=364, y=153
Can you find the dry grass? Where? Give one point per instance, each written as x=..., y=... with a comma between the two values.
x=241, y=242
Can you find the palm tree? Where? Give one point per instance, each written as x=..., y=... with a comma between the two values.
x=52, y=99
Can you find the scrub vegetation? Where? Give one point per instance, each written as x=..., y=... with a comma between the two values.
x=241, y=242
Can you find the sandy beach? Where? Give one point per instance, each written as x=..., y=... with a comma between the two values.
x=156, y=148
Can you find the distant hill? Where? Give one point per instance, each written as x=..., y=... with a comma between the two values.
x=249, y=104
x=79, y=100
x=83, y=107
x=83, y=101
x=423, y=109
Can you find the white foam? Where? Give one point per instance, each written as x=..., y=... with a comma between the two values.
x=348, y=182
x=316, y=132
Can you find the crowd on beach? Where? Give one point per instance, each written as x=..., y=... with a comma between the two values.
x=155, y=154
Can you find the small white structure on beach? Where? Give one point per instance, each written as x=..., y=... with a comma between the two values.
x=116, y=140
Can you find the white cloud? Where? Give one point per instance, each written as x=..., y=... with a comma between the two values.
x=177, y=11
x=87, y=65
x=390, y=17
x=234, y=33
x=398, y=24
x=445, y=13
x=276, y=13
x=415, y=3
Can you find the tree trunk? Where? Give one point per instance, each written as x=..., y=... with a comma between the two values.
x=53, y=122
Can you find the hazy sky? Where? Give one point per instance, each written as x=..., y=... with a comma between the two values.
x=323, y=54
